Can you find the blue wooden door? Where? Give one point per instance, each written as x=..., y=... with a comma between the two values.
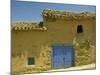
x=62, y=56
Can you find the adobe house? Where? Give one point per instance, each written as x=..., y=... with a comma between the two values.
x=62, y=40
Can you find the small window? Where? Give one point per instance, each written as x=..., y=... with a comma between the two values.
x=31, y=61
x=79, y=29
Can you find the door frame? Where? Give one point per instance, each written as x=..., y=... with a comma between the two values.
x=67, y=45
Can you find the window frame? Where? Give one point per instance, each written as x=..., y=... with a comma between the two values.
x=31, y=65
x=80, y=29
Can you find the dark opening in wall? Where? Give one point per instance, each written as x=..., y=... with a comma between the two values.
x=41, y=24
x=31, y=61
x=79, y=29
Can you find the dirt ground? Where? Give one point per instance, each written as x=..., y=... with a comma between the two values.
x=85, y=67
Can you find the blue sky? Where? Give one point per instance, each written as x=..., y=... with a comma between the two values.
x=30, y=11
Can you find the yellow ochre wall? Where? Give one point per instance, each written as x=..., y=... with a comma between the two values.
x=31, y=43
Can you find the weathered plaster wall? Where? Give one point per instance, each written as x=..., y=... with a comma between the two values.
x=31, y=43
x=89, y=28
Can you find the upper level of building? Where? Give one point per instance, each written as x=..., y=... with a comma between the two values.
x=58, y=14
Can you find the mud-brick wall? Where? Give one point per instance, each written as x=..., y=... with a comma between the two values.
x=85, y=52
x=89, y=29
x=43, y=61
x=18, y=63
x=60, y=25
x=34, y=43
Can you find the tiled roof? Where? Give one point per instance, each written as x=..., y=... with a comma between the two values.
x=26, y=26
x=66, y=15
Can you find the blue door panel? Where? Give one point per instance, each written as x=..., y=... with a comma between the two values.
x=58, y=62
x=68, y=56
x=57, y=57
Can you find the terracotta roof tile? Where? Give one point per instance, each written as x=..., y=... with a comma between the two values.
x=26, y=26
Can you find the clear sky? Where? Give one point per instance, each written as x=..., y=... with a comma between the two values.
x=30, y=11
